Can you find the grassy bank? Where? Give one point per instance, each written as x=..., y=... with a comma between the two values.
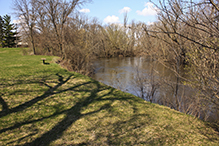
x=43, y=104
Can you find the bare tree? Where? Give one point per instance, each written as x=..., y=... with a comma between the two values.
x=26, y=11
x=58, y=12
x=190, y=32
x=169, y=22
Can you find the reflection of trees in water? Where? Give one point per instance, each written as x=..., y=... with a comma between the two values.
x=150, y=81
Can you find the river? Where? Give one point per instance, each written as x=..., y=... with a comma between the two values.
x=122, y=73
x=129, y=74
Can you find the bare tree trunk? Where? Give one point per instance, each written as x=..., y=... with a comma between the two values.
x=27, y=13
x=32, y=41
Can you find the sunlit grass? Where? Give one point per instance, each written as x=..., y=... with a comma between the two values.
x=48, y=105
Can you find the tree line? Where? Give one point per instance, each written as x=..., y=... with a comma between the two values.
x=54, y=27
x=7, y=32
x=184, y=39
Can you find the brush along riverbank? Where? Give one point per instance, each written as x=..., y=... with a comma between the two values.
x=44, y=104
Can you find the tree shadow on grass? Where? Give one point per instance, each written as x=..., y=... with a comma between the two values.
x=27, y=104
x=74, y=113
x=71, y=115
x=23, y=137
x=209, y=134
x=4, y=104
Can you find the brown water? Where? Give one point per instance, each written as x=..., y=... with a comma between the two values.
x=122, y=73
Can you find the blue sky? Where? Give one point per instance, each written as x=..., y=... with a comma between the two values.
x=103, y=9
x=6, y=7
x=107, y=11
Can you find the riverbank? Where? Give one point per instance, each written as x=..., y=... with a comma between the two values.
x=44, y=104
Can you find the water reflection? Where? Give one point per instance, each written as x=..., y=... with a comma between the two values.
x=121, y=73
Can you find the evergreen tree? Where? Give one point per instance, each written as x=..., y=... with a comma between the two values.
x=1, y=31
x=9, y=32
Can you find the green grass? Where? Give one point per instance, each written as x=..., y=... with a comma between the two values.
x=47, y=105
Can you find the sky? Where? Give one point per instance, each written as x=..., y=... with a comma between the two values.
x=107, y=11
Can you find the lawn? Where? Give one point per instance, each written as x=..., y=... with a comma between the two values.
x=44, y=104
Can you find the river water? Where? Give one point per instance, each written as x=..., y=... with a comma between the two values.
x=123, y=73
x=131, y=73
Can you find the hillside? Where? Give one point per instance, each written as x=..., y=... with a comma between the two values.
x=43, y=104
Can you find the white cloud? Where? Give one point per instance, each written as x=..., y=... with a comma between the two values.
x=148, y=10
x=20, y=24
x=19, y=21
x=125, y=10
x=111, y=19
x=84, y=10
x=16, y=21
x=150, y=23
